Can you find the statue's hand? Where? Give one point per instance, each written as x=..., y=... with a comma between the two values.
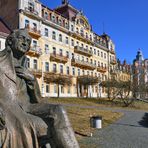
x=24, y=73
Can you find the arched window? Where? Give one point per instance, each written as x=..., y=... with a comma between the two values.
x=60, y=37
x=54, y=35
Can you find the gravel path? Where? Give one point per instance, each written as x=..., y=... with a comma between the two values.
x=131, y=131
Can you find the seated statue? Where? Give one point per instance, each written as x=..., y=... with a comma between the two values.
x=25, y=120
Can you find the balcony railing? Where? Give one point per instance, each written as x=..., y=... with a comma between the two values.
x=36, y=72
x=83, y=51
x=58, y=58
x=113, y=62
x=82, y=64
x=101, y=69
x=35, y=51
x=34, y=32
x=81, y=37
x=55, y=24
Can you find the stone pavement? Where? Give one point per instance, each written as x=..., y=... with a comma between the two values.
x=131, y=131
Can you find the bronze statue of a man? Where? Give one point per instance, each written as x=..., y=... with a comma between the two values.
x=26, y=122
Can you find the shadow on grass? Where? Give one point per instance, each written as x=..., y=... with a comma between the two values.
x=144, y=121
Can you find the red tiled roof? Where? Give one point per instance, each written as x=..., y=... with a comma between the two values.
x=4, y=28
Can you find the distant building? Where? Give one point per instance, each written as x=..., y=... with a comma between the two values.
x=122, y=71
x=63, y=43
x=140, y=71
x=4, y=32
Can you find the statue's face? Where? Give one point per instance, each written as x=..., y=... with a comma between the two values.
x=21, y=43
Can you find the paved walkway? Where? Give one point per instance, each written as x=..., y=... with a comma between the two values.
x=131, y=131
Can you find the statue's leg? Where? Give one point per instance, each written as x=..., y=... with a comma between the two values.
x=60, y=130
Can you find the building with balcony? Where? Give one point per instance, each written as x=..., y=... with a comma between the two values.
x=63, y=42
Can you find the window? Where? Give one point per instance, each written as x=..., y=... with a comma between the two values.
x=90, y=37
x=66, y=41
x=78, y=72
x=77, y=30
x=87, y=72
x=53, y=18
x=28, y=63
x=82, y=58
x=66, y=25
x=67, y=70
x=98, y=63
x=61, y=69
x=98, y=53
x=92, y=73
x=34, y=42
x=91, y=61
x=46, y=15
x=34, y=26
x=101, y=64
x=86, y=59
x=95, y=51
x=72, y=42
x=54, y=68
x=54, y=50
x=47, y=88
x=95, y=62
x=46, y=66
x=60, y=37
x=46, y=49
x=73, y=56
x=46, y=32
x=61, y=52
x=72, y=28
x=60, y=22
x=35, y=64
x=67, y=54
x=77, y=43
x=87, y=35
x=83, y=72
x=73, y=71
x=26, y=24
x=54, y=35
x=62, y=89
x=86, y=47
x=31, y=6
x=104, y=55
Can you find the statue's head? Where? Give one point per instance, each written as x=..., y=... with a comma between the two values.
x=18, y=42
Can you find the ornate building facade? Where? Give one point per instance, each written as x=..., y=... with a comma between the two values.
x=63, y=44
x=140, y=72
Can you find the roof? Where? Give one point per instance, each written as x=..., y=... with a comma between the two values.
x=67, y=10
x=4, y=28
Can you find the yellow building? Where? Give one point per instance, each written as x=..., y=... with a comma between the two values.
x=63, y=45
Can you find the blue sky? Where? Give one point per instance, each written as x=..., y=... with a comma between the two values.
x=125, y=21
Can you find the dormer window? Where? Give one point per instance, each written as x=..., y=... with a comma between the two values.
x=31, y=6
x=53, y=18
x=46, y=15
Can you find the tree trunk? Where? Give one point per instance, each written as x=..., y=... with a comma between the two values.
x=58, y=91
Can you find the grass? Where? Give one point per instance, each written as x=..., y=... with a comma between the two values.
x=80, y=119
x=139, y=105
